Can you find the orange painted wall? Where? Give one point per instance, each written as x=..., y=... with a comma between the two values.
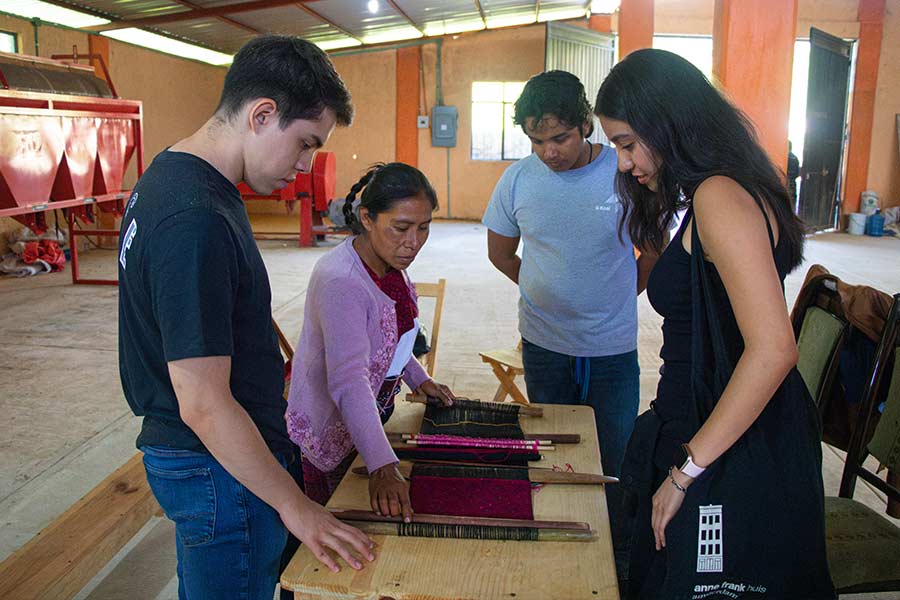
x=753, y=49
x=884, y=157
x=635, y=26
x=372, y=80
x=500, y=55
x=407, y=136
x=695, y=17
x=862, y=110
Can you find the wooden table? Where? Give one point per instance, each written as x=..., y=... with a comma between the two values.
x=410, y=568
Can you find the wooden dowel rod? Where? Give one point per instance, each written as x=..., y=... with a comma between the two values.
x=549, y=438
x=368, y=515
x=418, y=444
x=546, y=476
x=543, y=535
x=555, y=438
x=534, y=475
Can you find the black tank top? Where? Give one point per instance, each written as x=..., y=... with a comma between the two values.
x=669, y=292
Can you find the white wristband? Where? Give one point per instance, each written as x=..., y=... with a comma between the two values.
x=690, y=469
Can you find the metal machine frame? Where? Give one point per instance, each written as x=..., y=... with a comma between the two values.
x=14, y=102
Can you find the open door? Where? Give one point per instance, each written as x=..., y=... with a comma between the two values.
x=826, y=113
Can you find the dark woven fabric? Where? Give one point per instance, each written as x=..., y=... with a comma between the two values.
x=471, y=422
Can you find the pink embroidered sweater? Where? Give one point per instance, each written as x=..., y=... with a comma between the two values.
x=346, y=346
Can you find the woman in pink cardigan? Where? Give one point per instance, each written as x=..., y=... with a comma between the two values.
x=360, y=322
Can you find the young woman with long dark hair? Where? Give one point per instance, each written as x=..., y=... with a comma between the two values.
x=729, y=454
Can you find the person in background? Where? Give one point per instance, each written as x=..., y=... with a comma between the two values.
x=578, y=278
x=359, y=327
x=793, y=172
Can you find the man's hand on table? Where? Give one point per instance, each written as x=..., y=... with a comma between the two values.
x=314, y=526
x=389, y=492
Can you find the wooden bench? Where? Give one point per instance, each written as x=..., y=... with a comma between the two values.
x=59, y=561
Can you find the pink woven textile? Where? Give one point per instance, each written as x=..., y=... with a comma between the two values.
x=467, y=497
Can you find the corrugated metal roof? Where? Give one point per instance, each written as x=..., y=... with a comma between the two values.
x=324, y=20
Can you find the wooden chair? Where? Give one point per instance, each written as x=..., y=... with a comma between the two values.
x=820, y=329
x=436, y=291
x=288, y=351
x=506, y=364
x=864, y=547
x=424, y=290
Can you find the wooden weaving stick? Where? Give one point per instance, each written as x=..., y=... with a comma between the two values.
x=413, y=445
x=544, y=438
x=473, y=532
x=534, y=475
x=528, y=411
x=442, y=526
x=371, y=516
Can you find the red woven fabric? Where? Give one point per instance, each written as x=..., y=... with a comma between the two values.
x=465, y=497
x=393, y=284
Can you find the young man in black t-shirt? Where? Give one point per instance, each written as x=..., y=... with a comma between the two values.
x=198, y=355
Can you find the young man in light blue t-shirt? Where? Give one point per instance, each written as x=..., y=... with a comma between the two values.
x=578, y=277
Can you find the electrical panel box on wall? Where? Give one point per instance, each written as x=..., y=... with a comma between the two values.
x=422, y=122
x=443, y=126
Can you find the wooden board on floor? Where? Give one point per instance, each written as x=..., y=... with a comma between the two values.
x=439, y=569
x=65, y=555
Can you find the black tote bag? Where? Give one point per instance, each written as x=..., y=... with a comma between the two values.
x=752, y=526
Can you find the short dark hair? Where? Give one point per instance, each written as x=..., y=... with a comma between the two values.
x=557, y=93
x=695, y=133
x=382, y=186
x=296, y=74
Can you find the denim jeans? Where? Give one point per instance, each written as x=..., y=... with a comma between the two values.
x=613, y=391
x=229, y=542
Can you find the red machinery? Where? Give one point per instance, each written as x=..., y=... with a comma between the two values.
x=65, y=142
x=314, y=190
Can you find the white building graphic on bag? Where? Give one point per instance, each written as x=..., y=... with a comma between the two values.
x=709, y=539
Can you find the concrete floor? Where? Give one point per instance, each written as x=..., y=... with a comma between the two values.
x=68, y=427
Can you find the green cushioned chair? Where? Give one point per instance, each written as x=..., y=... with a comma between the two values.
x=820, y=337
x=863, y=546
x=820, y=329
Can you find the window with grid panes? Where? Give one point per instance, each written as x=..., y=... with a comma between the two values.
x=8, y=42
x=494, y=136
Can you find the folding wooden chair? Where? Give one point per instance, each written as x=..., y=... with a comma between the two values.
x=436, y=291
x=864, y=547
x=506, y=364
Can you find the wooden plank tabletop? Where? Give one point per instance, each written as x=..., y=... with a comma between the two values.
x=408, y=568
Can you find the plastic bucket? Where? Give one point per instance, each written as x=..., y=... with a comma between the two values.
x=875, y=225
x=856, y=225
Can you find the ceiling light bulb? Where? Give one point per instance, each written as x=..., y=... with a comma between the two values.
x=373, y=6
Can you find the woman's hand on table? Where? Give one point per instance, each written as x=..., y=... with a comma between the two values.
x=389, y=492
x=437, y=390
x=318, y=529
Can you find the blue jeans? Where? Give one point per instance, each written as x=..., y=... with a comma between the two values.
x=612, y=389
x=229, y=542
